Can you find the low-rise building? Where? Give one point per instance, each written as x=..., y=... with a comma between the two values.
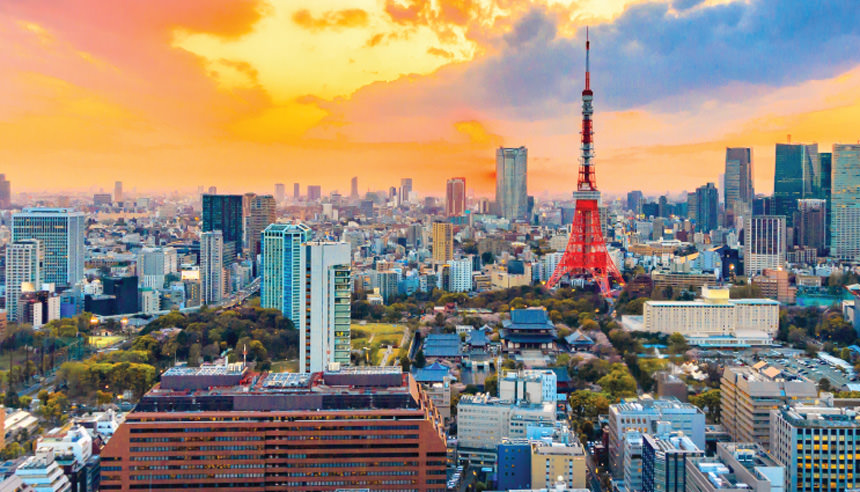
x=737, y=467
x=532, y=386
x=664, y=460
x=715, y=319
x=553, y=460
x=43, y=473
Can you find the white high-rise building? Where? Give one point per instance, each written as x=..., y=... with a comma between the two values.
x=61, y=233
x=845, y=202
x=23, y=266
x=324, y=331
x=151, y=267
x=460, y=275
x=764, y=243
x=212, y=267
x=310, y=283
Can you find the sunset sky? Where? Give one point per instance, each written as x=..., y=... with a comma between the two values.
x=167, y=94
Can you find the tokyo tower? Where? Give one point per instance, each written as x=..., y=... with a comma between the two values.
x=586, y=253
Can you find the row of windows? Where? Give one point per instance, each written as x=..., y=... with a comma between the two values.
x=309, y=428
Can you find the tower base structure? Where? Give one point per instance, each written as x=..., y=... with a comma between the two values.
x=586, y=253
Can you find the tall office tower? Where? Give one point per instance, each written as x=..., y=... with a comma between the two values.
x=296, y=191
x=23, y=266
x=224, y=213
x=261, y=213
x=117, y=192
x=664, y=460
x=797, y=175
x=818, y=446
x=455, y=197
x=692, y=206
x=511, y=182
x=634, y=201
x=324, y=332
x=280, y=192
x=61, y=233
x=352, y=429
x=443, y=242
x=662, y=206
x=826, y=161
x=764, y=243
x=281, y=269
x=151, y=267
x=738, y=192
x=353, y=187
x=5, y=192
x=811, y=223
x=707, y=208
x=460, y=275
x=405, y=190
x=845, y=202
x=212, y=267
x=747, y=396
x=642, y=416
x=314, y=193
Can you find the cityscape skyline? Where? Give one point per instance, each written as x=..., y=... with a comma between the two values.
x=220, y=103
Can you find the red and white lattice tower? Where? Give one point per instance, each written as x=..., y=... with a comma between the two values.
x=586, y=253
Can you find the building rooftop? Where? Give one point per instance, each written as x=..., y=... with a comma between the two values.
x=529, y=319
x=442, y=345
x=650, y=405
x=820, y=416
x=220, y=388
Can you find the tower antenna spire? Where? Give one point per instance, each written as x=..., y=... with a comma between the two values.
x=587, y=65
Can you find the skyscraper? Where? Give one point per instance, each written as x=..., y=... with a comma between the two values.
x=280, y=192
x=634, y=201
x=811, y=223
x=151, y=268
x=845, y=202
x=314, y=193
x=296, y=191
x=23, y=265
x=224, y=213
x=511, y=182
x=764, y=243
x=738, y=193
x=324, y=335
x=281, y=284
x=797, y=174
x=212, y=267
x=61, y=234
x=455, y=197
x=5, y=192
x=826, y=161
x=117, y=192
x=443, y=242
x=353, y=187
x=707, y=208
x=261, y=213
x=405, y=190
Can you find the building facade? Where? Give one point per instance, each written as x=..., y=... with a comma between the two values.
x=739, y=192
x=324, y=335
x=357, y=429
x=281, y=271
x=817, y=446
x=224, y=213
x=455, y=197
x=748, y=394
x=212, y=267
x=443, y=242
x=511, y=182
x=664, y=461
x=61, y=234
x=764, y=243
x=23, y=266
x=845, y=202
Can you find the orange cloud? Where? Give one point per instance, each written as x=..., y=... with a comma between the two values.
x=331, y=20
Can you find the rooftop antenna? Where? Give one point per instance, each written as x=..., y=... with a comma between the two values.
x=587, y=50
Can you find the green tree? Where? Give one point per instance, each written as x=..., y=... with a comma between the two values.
x=709, y=401
x=586, y=404
x=420, y=360
x=824, y=384
x=619, y=383
x=678, y=344
x=491, y=385
x=405, y=363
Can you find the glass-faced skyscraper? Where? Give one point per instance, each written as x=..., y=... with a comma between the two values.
x=797, y=175
x=739, y=192
x=511, y=182
x=845, y=202
x=61, y=233
x=224, y=213
x=281, y=286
